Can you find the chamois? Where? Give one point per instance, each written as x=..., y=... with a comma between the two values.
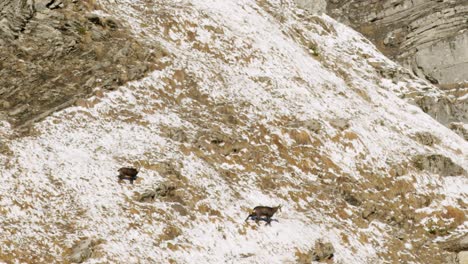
x=264, y=211
x=127, y=174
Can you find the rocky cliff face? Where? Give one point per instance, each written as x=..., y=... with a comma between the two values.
x=428, y=37
x=255, y=103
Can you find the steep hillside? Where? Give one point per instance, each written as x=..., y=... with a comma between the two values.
x=54, y=52
x=256, y=103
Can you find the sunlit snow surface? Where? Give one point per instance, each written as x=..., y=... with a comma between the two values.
x=74, y=157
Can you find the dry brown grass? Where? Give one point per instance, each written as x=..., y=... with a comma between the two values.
x=91, y=4
x=345, y=238
x=303, y=258
x=170, y=232
x=205, y=209
x=301, y=137
x=456, y=214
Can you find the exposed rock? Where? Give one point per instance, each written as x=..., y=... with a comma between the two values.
x=340, y=123
x=322, y=251
x=180, y=209
x=313, y=6
x=460, y=248
x=313, y=125
x=368, y=211
x=457, y=244
x=82, y=251
x=157, y=190
x=426, y=138
x=451, y=259
x=438, y=164
x=443, y=109
x=351, y=199
x=428, y=37
x=463, y=257
x=460, y=128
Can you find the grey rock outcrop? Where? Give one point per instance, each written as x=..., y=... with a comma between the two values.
x=157, y=190
x=428, y=37
x=313, y=7
x=443, y=108
x=438, y=164
x=426, y=138
x=322, y=251
x=460, y=128
x=459, y=247
x=82, y=251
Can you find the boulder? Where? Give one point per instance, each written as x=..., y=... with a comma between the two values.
x=322, y=251
x=439, y=164
x=426, y=138
x=340, y=123
x=457, y=245
x=82, y=251
x=159, y=190
x=463, y=257
x=460, y=128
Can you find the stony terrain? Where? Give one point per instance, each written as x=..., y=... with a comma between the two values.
x=53, y=52
x=253, y=102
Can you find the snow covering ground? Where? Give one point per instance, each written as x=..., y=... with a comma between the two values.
x=256, y=58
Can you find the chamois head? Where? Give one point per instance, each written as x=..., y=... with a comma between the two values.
x=279, y=207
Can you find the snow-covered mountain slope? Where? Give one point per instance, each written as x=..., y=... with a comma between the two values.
x=255, y=103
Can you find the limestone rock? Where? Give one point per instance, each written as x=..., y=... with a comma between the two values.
x=313, y=125
x=352, y=200
x=460, y=128
x=82, y=251
x=442, y=108
x=428, y=37
x=438, y=164
x=463, y=257
x=457, y=244
x=157, y=190
x=322, y=251
x=426, y=138
x=313, y=6
x=340, y=123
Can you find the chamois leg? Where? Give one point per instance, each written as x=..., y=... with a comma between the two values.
x=257, y=219
x=248, y=217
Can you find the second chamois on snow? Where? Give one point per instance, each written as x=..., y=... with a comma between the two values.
x=127, y=174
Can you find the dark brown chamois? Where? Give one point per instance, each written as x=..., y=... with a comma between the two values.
x=127, y=174
x=263, y=211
